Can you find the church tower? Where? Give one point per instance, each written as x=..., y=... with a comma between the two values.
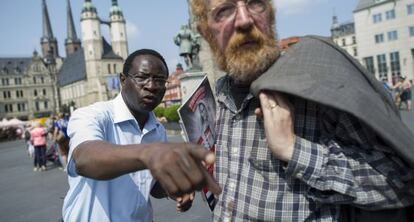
x=91, y=38
x=72, y=43
x=48, y=41
x=118, y=30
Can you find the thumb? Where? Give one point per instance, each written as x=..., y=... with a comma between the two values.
x=203, y=154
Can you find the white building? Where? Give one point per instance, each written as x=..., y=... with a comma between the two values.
x=344, y=36
x=385, y=36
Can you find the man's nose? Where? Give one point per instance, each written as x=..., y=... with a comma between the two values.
x=150, y=85
x=244, y=19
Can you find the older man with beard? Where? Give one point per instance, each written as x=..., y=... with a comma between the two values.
x=281, y=158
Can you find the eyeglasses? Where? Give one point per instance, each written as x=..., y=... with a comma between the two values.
x=143, y=80
x=228, y=10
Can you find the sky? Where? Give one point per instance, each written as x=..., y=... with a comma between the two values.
x=150, y=23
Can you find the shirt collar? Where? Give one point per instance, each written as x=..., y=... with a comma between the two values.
x=121, y=111
x=122, y=114
x=224, y=95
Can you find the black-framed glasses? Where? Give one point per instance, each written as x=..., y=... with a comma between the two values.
x=228, y=10
x=145, y=79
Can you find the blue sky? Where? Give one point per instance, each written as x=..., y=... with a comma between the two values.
x=150, y=23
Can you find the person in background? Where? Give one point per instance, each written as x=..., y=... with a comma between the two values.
x=61, y=138
x=404, y=87
x=38, y=138
x=119, y=156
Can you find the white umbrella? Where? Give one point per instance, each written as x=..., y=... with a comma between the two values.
x=15, y=122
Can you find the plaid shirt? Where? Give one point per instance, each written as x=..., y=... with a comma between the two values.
x=336, y=160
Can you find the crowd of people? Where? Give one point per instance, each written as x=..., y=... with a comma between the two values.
x=48, y=142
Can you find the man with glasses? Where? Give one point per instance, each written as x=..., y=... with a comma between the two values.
x=282, y=158
x=117, y=149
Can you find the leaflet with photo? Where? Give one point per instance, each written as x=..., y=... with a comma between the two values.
x=197, y=117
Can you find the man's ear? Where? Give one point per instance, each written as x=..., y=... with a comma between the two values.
x=122, y=78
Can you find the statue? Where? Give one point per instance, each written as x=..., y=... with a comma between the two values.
x=189, y=43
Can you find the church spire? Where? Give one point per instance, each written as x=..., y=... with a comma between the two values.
x=48, y=41
x=47, y=28
x=72, y=43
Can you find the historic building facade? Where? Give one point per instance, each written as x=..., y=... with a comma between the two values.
x=28, y=84
x=41, y=85
x=343, y=34
x=385, y=36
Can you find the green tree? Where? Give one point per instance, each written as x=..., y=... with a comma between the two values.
x=171, y=113
x=159, y=111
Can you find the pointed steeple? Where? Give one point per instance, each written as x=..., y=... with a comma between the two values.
x=72, y=43
x=48, y=41
x=47, y=28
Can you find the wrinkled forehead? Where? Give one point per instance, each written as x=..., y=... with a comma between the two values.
x=148, y=64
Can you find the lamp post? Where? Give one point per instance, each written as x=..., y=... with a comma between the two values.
x=51, y=66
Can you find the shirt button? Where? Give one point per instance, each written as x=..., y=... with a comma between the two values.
x=234, y=150
x=232, y=185
x=299, y=175
x=230, y=205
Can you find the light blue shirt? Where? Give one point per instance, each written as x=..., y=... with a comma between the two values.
x=125, y=198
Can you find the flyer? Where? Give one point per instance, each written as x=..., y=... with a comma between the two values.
x=197, y=119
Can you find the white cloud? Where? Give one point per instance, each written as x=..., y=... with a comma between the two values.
x=132, y=31
x=290, y=7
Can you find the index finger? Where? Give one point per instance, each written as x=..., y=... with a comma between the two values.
x=207, y=156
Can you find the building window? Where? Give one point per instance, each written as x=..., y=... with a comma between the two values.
x=42, y=80
x=395, y=64
x=379, y=38
x=5, y=82
x=6, y=94
x=353, y=40
x=109, y=68
x=390, y=14
x=8, y=108
x=35, y=92
x=343, y=42
x=355, y=51
x=34, y=79
x=392, y=36
x=17, y=81
x=369, y=64
x=377, y=18
x=410, y=9
x=46, y=105
x=44, y=92
x=382, y=66
x=37, y=106
x=18, y=94
x=411, y=30
x=114, y=68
